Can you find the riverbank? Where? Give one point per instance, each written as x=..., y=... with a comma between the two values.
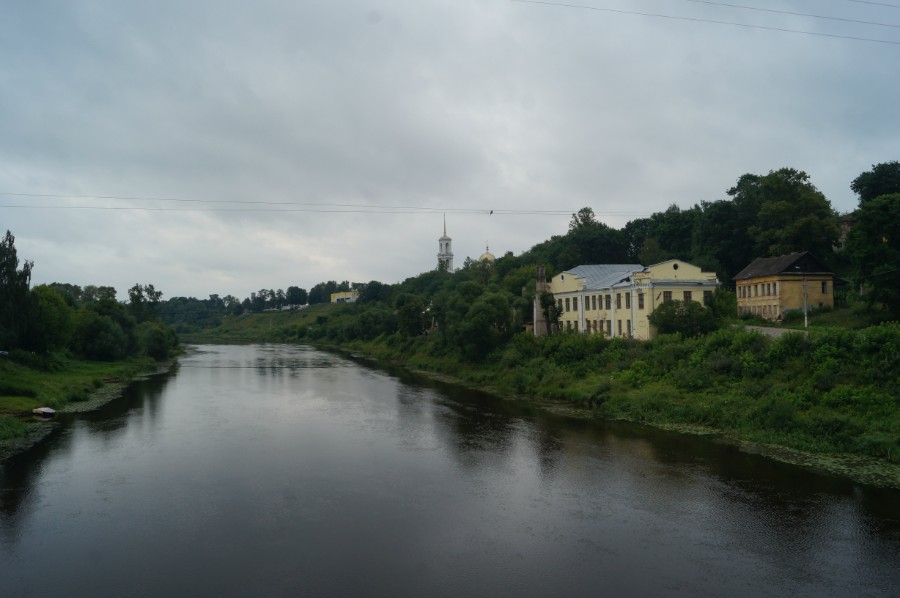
x=778, y=430
x=72, y=386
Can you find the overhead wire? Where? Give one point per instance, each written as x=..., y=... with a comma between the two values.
x=793, y=14
x=710, y=21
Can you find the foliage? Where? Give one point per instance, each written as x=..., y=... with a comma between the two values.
x=883, y=179
x=15, y=299
x=687, y=318
x=874, y=246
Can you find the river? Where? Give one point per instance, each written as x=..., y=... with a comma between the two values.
x=270, y=470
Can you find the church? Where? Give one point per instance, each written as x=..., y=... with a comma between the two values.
x=445, y=252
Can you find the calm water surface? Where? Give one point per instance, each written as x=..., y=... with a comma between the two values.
x=285, y=471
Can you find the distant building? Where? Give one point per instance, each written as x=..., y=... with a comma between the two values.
x=445, y=252
x=616, y=300
x=772, y=286
x=344, y=297
x=487, y=256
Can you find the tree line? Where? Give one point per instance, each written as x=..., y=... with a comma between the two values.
x=481, y=304
x=87, y=322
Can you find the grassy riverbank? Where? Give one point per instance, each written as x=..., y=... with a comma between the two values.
x=826, y=400
x=61, y=383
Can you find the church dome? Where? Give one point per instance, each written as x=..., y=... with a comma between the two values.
x=487, y=256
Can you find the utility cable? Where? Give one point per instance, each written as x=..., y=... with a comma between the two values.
x=710, y=21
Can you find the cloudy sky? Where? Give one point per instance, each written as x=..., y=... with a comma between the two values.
x=274, y=143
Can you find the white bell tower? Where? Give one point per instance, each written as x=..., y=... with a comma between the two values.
x=445, y=253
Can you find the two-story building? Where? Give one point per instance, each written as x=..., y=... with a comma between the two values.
x=772, y=286
x=616, y=300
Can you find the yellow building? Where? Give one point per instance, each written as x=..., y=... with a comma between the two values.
x=616, y=300
x=772, y=286
x=345, y=297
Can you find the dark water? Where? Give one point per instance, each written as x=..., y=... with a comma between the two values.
x=282, y=471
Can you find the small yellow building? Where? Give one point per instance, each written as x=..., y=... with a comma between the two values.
x=344, y=297
x=616, y=300
x=772, y=286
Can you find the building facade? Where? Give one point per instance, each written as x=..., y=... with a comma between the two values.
x=773, y=286
x=344, y=297
x=616, y=300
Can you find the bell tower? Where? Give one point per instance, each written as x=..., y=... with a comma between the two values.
x=445, y=253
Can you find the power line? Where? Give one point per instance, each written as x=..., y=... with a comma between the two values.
x=372, y=210
x=711, y=21
x=875, y=3
x=793, y=14
x=343, y=207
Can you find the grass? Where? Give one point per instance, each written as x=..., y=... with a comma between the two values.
x=23, y=388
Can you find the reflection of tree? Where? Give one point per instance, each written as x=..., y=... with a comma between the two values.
x=19, y=473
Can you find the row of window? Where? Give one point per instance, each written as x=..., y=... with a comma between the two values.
x=601, y=326
x=756, y=290
x=595, y=302
x=768, y=289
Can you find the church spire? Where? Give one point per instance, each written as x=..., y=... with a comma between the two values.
x=445, y=253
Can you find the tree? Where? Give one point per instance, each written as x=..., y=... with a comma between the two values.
x=52, y=323
x=15, y=299
x=296, y=296
x=883, y=179
x=410, y=314
x=688, y=318
x=784, y=213
x=874, y=248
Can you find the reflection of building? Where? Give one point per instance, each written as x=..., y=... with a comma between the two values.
x=344, y=297
x=445, y=253
x=771, y=286
x=617, y=299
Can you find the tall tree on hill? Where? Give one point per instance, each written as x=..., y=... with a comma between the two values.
x=883, y=179
x=787, y=213
x=874, y=247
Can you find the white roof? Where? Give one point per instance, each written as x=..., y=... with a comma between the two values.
x=603, y=276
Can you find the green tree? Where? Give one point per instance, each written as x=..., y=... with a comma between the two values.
x=787, y=213
x=883, y=179
x=52, y=323
x=874, y=248
x=15, y=299
x=410, y=314
x=296, y=296
x=688, y=318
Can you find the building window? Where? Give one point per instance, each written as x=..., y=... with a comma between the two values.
x=574, y=303
x=609, y=302
x=618, y=300
x=824, y=287
x=568, y=325
x=627, y=300
x=640, y=301
x=594, y=302
x=774, y=288
x=667, y=296
x=707, y=297
x=559, y=304
x=688, y=296
x=619, y=328
x=609, y=328
x=628, y=324
x=596, y=326
x=567, y=304
x=575, y=325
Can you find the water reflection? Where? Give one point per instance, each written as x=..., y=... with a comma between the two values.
x=284, y=470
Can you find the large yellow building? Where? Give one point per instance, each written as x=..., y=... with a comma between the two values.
x=344, y=296
x=617, y=299
x=772, y=286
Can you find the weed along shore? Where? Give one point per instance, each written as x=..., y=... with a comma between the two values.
x=826, y=400
x=69, y=386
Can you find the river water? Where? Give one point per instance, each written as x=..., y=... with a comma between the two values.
x=275, y=470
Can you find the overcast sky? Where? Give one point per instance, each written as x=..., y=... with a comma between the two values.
x=333, y=113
